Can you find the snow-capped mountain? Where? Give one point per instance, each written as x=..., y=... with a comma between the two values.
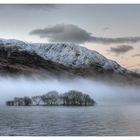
x=58, y=59
x=68, y=54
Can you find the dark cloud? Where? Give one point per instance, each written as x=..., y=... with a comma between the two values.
x=136, y=55
x=105, y=28
x=73, y=33
x=121, y=49
x=63, y=33
x=115, y=40
x=46, y=7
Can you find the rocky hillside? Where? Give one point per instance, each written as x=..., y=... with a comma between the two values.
x=57, y=59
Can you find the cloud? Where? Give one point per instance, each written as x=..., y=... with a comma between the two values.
x=121, y=49
x=136, y=65
x=45, y=7
x=75, y=34
x=63, y=33
x=136, y=55
x=115, y=40
x=105, y=28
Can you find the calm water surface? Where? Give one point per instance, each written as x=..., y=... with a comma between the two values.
x=80, y=121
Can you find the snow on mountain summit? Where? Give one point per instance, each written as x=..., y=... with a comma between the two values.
x=67, y=54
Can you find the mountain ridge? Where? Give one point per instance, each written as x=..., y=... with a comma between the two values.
x=65, y=53
x=59, y=58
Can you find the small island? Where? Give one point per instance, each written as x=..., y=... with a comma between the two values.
x=53, y=98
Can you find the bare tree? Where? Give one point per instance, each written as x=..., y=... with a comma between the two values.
x=51, y=98
x=77, y=98
x=18, y=101
x=10, y=103
x=36, y=99
x=27, y=101
x=72, y=97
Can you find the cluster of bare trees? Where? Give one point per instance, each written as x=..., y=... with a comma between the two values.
x=77, y=98
x=70, y=98
x=25, y=101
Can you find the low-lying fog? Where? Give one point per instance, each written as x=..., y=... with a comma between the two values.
x=100, y=92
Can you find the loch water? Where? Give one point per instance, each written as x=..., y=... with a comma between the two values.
x=98, y=120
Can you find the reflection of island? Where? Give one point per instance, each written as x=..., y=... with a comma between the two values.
x=52, y=98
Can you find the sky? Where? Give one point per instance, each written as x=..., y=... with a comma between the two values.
x=112, y=30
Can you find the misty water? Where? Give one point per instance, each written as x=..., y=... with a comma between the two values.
x=116, y=112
